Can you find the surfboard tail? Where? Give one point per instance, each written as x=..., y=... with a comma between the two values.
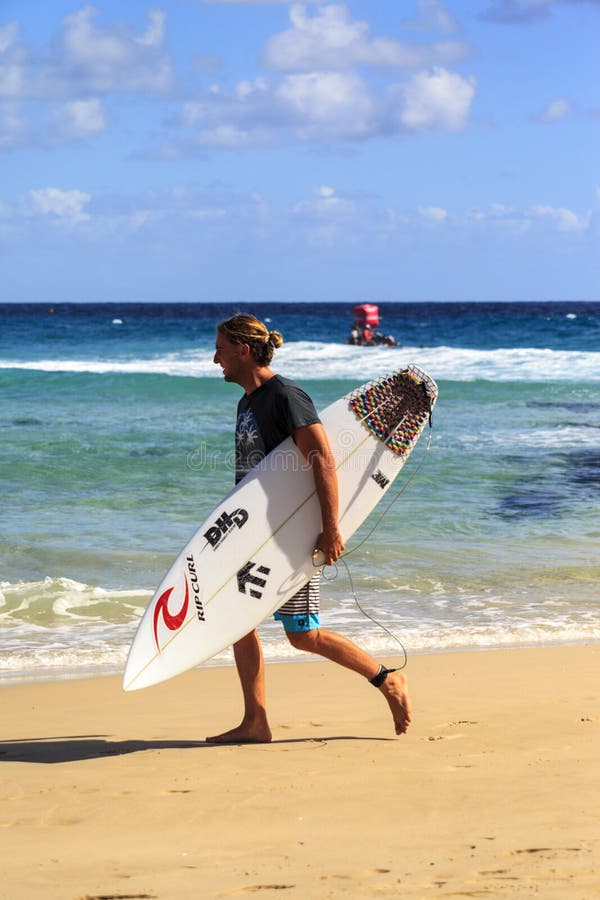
x=396, y=408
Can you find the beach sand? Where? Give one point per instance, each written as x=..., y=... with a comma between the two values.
x=495, y=790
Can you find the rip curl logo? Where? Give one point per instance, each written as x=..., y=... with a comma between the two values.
x=217, y=533
x=191, y=564
x=173, y=621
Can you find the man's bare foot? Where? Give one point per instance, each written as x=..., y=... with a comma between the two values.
x=395, y=691
x=257, y=733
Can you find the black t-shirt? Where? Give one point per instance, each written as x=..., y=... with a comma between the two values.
x=266, y=417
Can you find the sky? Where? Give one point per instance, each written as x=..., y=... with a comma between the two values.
x=263, y=150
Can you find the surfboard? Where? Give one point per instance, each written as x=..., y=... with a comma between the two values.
x=255, y=549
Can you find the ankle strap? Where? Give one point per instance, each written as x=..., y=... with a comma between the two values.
x=377, y=680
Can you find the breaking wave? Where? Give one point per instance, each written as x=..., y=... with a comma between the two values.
x=306, y=359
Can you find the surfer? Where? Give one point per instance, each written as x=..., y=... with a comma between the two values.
x=272, y=409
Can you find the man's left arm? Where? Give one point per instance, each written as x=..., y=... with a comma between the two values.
x=312, y=442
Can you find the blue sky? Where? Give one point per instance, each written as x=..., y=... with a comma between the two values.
x=261, y=151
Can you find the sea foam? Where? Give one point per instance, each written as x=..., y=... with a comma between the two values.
x=305, y=359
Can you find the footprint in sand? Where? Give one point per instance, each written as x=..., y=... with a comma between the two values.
x=449, y=737
x=547, y=851
x=119, y=897
x=254, y=888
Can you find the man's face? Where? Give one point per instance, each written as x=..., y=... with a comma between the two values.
x=231, y=358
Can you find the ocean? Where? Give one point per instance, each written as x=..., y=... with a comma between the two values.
x=117, y=439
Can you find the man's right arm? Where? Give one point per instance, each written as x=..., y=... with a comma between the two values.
x=312, y=442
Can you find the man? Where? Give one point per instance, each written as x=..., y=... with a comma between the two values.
x=272, y=409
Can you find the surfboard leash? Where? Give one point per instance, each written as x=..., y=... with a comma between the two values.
x=394, y=499
x=378, y=680
x=383, y=670
x=412, y=422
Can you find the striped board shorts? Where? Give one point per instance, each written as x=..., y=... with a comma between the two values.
x=301, y=612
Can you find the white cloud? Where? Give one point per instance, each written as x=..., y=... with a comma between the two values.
x=246, y=88
x=328, y=104
x=332, y=40
x=81, y=118
x=89, y=60
x=325, y=106
x=557, y=109
x=327, y=217
x=326, y=204
x=111, y=59
x=323, y=41
x=435, y=101
x=229, y=136
x=139, y=219
x=13, y=128
x=80, y=65
x=564, y=219
x=434, y=214
x=500, y=216
x=9, y=35
x=155, y=33
x=518, y=221
x=12, y=61
x=204, y=210
x=191, y=112
x=11, y=80
x=66, y=207
x=205, y=214
x=85, y=58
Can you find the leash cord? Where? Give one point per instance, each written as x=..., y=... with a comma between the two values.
x=342, y=559
x=394, y=500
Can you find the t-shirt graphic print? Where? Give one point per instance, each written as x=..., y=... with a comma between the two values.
x=249, y=445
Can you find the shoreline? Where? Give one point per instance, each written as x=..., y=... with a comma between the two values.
x=494, y=790
x=62, y=675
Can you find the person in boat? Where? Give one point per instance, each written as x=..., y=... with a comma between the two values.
x=355, y=337
x=384, y=339
x=364, y=336
x=360, y=335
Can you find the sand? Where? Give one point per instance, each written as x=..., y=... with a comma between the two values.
x=495, y=790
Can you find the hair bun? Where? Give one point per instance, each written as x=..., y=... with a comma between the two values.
x=275, y=339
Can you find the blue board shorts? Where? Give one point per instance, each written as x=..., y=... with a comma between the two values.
x=301, y=612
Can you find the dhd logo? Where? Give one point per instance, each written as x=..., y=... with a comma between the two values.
x=222, y=527
x=380, y=479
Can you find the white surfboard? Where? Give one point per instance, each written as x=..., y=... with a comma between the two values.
x=254, y=551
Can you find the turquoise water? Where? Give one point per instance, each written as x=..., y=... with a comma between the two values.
x=117, y=435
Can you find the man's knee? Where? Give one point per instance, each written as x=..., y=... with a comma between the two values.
x=303, y=640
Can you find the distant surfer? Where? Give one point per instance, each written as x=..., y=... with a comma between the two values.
x=272, y=409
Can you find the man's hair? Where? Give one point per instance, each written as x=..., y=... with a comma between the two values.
x=247, y=329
